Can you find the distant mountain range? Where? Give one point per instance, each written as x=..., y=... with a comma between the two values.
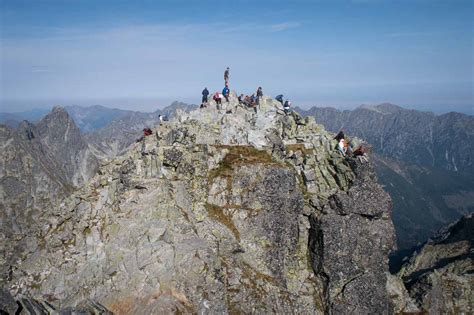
x=92, y=118
x=425, y=161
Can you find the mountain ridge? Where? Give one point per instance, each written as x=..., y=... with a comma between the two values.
x=218, y=212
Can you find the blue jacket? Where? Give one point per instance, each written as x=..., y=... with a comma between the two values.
x=225, y=90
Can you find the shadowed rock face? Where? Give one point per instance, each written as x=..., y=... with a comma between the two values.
x=349, y=244
x=218, y=213
x=439, y=278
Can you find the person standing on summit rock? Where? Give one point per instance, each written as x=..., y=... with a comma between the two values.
x=226, y=92
x=259, y=95
x=205, y=94
x=226, y=76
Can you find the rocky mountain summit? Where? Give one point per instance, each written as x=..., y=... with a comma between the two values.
x=215, y=212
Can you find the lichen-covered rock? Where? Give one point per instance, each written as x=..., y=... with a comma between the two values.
x=402, y=302
x=439, y=278
x=349, y=244
x=215, y=216
x=39, y=165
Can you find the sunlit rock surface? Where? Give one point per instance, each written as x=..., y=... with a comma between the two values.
x=217, y=212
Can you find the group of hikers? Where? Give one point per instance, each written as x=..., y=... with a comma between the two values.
x=249, y=101
x=345, y=148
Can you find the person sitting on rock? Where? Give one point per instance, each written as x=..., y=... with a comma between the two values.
x=226, y=93
x=247, y=101
x=241, y=99
x=361, y=153
x=205, y=94
x=348, y=147
x=286, y=106
x=341, y=147
x=279, y=98
x=217, y=98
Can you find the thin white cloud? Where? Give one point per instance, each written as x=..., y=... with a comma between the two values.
x=284, y=26
x=41, y=70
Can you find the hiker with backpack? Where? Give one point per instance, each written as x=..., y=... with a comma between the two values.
x=226, y=76
x=205, y=94
x=279, y=98
x=286, y=106
x=226, y=92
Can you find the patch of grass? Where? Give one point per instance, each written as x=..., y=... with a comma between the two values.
x=217, y=213
x=299, y=147
x=240, y=155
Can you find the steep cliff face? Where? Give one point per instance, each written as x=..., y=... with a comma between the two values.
x=41, y=164
x=219, y=212
x=61, y=137
x=439, y=277
x=423, y=160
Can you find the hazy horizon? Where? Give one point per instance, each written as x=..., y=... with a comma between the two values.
x=151, y=105
x=144, y=54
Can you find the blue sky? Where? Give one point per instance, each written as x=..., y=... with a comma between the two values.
x=145, y=54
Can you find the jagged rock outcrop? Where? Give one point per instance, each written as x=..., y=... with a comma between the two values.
x=219, y=212
x=440, y=277
x=60, y=136
x=40, y=164
x=117, y=136
x=423, y=160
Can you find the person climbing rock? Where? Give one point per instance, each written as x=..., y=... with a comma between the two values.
x=226, y=92
x=226, y=75
x=217, y=98
x=279, y=98
x=286, y=106
x=205, y=94
x=160, y=119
